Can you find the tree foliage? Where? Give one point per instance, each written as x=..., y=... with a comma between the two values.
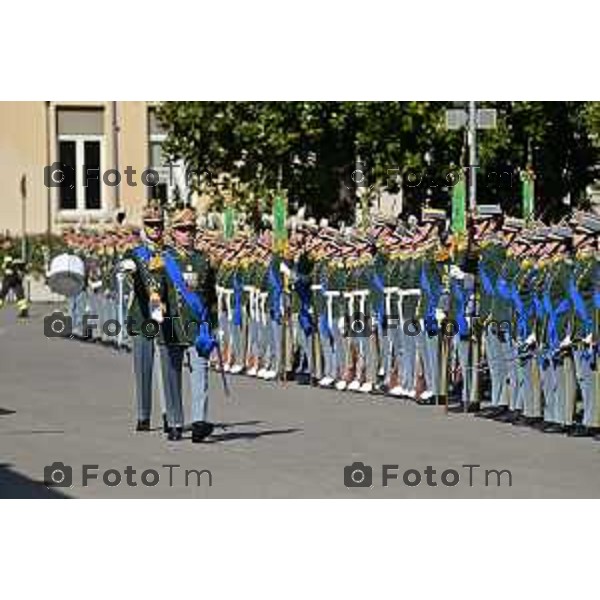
x=311, y=149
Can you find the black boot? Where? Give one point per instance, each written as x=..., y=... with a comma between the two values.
x=165, y=424
x=492, y=412
x=201, y=430
x=175, y=434
x=143, y=425
x=507, y=416
x=536, y=422
x=579, y=430
x=474, y=407
x=553, y=428
x=521, y=420
x=303, y=378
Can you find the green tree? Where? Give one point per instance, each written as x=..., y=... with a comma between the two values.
x=311, y=150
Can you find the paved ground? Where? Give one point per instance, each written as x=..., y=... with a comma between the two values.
x=63, y=400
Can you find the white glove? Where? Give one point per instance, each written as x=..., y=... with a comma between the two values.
x=440, y=315
x=530, y=341
x=283, y=268
x=456, y=272
x=128, y=265
x=566, y=342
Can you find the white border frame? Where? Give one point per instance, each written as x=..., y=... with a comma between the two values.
x=81, y=212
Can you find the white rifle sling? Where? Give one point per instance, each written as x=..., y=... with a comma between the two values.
x=228, y=294
x=350, y=298
x=388, y=291
x=362, y=299
x=329, y=298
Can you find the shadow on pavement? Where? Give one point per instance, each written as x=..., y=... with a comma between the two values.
x=15, y=485
x=247, y=435
x=6, y=411
x=32, y=431
x=238, y=424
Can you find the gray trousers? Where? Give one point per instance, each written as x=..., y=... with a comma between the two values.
x=409, y=358
x=274, y=345
x=254, y=327
x=549, y=385
x=585, y=380
x=524, y=396
x=463, y=348
x=224, y=329
x=198, y=371
x=386, y=347
x=77, y=306
x=304, y=343
x=172, y=359
x=328, y=352
x=144, y=349
x=558, y=383
x=237, y=343
x=499, y=356
x=340, y=360
x=429, y=349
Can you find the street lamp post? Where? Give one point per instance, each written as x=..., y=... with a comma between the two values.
x=472, y=119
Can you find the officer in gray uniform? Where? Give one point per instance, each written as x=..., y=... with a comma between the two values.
x=144, y=263
x=188, y=297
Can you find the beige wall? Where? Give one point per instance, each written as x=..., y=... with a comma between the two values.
x=23, y=152
x=28, y=144
x=133, y=152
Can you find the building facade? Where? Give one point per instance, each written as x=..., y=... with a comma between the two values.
x=69, y=163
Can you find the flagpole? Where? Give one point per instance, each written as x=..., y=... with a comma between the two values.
x=473, y=356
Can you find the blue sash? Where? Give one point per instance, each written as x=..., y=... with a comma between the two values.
x=425, y=281
x=324, y=324
x=579, y=305
x=463, y=325
x=302, y=288
x=205, y=342
x=377, y=282
x=503, y=289
x=432, y=296
x=486, y=282
x=143, y=253
x=553, y=315
x=522, y=328
x=276, y=291
x=237, y=300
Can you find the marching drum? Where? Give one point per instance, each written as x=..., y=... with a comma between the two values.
x=66, y=275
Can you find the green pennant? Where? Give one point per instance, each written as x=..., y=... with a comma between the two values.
x=528, y=194
x=228, y=223
x=279, y=221
x=459, y=216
